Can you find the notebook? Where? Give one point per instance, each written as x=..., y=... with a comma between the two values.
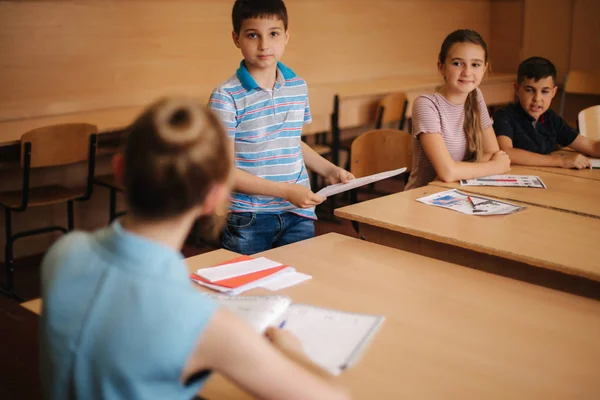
x=244, y=273
x=334, y=340
x=594, y=163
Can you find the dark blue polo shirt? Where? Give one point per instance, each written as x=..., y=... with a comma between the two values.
x=541, y=138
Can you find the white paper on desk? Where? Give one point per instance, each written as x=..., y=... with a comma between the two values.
x=333, y=339
x=595, y=163
x=531, y=181
x=358, y=182
x=236, y=269
x=276, y=281
x=258, y=311
x=284, y=281
x=459, y=201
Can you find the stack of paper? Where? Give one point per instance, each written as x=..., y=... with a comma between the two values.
x=245, y=273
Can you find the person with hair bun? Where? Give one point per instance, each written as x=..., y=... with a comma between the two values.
x=121, y=318
x=453, y=138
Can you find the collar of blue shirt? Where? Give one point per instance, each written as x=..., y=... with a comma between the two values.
x=249, y=83
x=141, y=254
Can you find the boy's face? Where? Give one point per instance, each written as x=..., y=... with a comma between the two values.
x=536, y=97
x=262, y=41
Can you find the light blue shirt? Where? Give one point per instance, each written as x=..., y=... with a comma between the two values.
x=120, y=318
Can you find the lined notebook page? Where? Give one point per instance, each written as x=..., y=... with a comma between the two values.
x=258, y=311
x=333, y=339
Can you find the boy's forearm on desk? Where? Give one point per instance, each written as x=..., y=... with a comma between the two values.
x=524, y=157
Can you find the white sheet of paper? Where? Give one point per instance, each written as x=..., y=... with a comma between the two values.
x=333, y=339
x=358, y=182
x=595, y=163
x=236, y=269
x=262, y=283
x=284, y=281
x=258, y=311
x=458, y=201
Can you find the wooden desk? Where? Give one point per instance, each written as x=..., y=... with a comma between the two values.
x=583, y=173
x=450, y=332
x=540, y=245
x=575, y=173
x=321, y=101
x=565, y=193
x=359, y=99
x=105, y=120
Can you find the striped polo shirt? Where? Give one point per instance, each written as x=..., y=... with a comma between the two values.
x=266, y=126
x=435, y=114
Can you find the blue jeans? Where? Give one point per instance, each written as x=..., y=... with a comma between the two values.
x=249, y=233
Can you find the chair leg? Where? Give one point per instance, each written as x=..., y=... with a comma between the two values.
x=9, y=263
x=70, y=215
x=112, y=212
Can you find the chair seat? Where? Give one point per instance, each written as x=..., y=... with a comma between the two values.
x=108, y=181
x=321, y=149
x=42, y=196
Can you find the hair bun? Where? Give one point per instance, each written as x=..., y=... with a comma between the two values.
x=179, y=121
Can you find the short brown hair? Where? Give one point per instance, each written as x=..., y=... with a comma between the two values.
x=247, y=9
x=175, y=151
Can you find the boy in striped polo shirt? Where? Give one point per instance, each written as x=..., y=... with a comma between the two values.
x=264, y=106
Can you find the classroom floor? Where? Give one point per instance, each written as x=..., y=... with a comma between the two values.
x=19, y=345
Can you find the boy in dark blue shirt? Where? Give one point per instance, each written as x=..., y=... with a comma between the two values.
x=529, y=131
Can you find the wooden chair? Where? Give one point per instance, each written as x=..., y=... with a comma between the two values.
x=50, y=146
x=392, y=108
x=580, y=82
x=110, y=182
x=378, y=151
x=588, y=121
x=109, y=143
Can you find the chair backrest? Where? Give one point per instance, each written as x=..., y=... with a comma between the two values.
x=583, y=82
x=56, y=145
x=589, y=122
x=392, y=108
x=580, y=82
x=380, y=150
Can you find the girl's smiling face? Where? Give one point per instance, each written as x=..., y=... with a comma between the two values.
x=464, y=67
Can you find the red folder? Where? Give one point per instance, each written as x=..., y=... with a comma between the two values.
x=241, y=280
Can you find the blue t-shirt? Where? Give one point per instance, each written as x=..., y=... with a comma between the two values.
x=120, y=318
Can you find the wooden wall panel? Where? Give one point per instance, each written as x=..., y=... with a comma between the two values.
x=585, y=46
x=506, y=26
x=548, y=25
x=68, y=56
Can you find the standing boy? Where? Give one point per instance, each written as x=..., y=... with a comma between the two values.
x=529, y=131
x=264, y=106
